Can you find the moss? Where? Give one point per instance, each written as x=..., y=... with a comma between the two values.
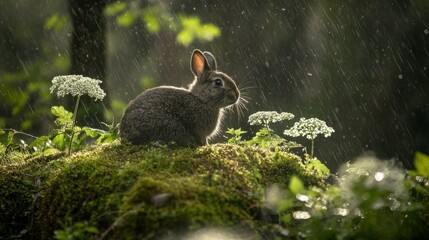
x=143, y=192
x=21, y=179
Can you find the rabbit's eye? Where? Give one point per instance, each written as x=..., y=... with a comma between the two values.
x=218, y=82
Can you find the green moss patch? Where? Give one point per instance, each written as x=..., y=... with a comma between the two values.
x=118, y=191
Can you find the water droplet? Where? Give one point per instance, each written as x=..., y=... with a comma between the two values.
x=400, y=76
x=379, y=176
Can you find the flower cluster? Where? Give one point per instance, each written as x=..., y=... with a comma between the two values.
x=309, y=128
x=77, y=85
x=265, y=117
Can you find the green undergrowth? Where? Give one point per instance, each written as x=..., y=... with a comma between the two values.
x=118, y=191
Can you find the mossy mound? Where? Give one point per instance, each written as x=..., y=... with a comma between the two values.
x=117, y=191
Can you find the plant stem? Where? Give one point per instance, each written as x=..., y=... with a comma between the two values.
x=312, y=147
x=18, y=132
x=266, y=124
x=74, y=123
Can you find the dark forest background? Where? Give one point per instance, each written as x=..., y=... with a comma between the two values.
x=362, y=66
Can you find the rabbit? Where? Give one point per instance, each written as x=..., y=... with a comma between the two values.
x=184, y=116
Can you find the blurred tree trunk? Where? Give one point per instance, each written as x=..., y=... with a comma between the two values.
x=88, y=54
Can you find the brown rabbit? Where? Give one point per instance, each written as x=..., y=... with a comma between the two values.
x=185, y=116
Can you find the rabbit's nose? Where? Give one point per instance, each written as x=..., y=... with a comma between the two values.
x=232, y=96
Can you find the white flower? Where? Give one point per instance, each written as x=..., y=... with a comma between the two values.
x=309, y=128
x=266, y=117
x=77, y=85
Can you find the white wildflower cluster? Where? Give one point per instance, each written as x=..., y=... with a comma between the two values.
x=309, y=128
x=77, y=85
x=265, y=117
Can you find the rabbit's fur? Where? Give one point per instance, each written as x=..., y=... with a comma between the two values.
x=185, y=116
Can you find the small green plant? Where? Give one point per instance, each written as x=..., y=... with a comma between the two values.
x=9, y=142
x=266, y=137
x=235, y=135
x=309, y=128
x=79, y=135
x=77, y=86
x=66, y=135
x=59, y=138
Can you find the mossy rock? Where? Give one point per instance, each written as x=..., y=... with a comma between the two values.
x=118, y=191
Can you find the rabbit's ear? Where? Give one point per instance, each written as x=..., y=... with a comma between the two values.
x=199, y=63
x=211, y=60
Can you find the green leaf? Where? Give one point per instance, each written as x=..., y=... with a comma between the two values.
x=287, y=218
x=91, y=229
x=2, y=132
x=208, y=32
x=93, y=132
x=39, y=142
x=147, y=82
x=107, y=138
x=62, y=235
x=58, y=111
x=263, y=132
x=285, y=204
x=193, y=29
x=51, y=21
x=64, y=117
x=239, y=132
x=20, y=102
x=55, y=21
x=295, y=185
x=231, y=131
x=79, y=140
x=317, y=164
x=421, y=162
x=235, y=132
x=126, y=19
x=185, y=37
x=61, y=63
x=60, y=141
x=9, y=138
x=149, y=16
x=115, y=8
x=191, y=22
